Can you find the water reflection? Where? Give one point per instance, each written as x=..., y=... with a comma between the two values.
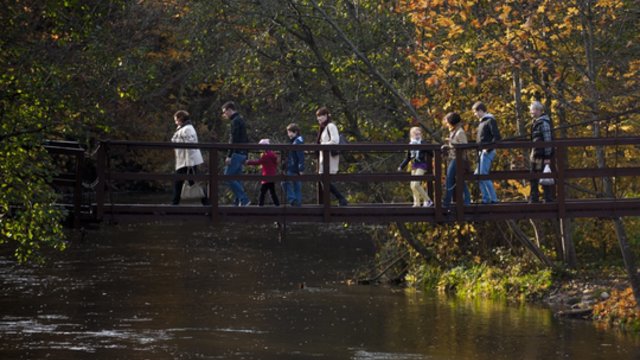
x=174, y=290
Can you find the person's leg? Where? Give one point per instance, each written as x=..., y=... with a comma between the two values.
x=414, y=185
x=177, y=187
x=297, y=190
x=263, y=191
x=341, y=199
x=289, y=189
x=486, y=186
x=450, y=183
x=534, y=192
x=423, y=197
x=466, y=195
x=235, y=168
x=272, y=190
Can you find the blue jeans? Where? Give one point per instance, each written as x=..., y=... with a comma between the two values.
x=235, y=168
x=486, y=186
x=451, y=186
x=293, y=189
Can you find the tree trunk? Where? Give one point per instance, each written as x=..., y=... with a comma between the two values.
x=621, y=233
x=517, y=99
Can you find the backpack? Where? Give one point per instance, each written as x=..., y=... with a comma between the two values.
x=342, y=140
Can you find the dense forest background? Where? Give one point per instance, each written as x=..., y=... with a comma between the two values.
x=86, y=70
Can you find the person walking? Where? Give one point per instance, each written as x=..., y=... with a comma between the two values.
x=488, y=133
x=328, y=135
x=540, y=156
x=420, y=164
x=269, y=163
x=294, y=166
x=187, y=160
x=236, y=157
x=453, y=121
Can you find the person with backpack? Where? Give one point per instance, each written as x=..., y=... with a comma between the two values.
x=421, y=161
x=328, y=134
x=488, y=133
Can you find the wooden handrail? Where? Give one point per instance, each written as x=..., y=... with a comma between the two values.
x=561, y=174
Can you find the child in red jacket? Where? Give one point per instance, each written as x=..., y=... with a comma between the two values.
x=269, y=162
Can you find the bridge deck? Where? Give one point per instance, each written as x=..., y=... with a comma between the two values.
x=375, y=213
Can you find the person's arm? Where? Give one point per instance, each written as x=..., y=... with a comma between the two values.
x=189, y=135
x=235, y=134
x=334, y=134
x=405, y=161
x=546, y=134
x=495, y=132
x=300, y=160
x=263, y=159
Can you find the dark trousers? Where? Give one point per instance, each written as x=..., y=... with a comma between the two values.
x=271, y=187
x=537, y=165
x=177, y=186
x=334, y=190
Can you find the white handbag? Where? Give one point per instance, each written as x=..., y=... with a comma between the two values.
x=190, y=192
x=546, y=181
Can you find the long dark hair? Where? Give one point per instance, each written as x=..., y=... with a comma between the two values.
x=322, y=111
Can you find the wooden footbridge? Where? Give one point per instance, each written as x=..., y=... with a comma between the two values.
x=112, y=155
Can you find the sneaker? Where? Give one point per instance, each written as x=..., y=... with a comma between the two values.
x=428, y=203
x=246, y=204
x=416, y=205
x=343, y=202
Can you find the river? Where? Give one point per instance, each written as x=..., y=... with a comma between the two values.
x=195, y=291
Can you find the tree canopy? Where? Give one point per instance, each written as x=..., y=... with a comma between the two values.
x=87, y=70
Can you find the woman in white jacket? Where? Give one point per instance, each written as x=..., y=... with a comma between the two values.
x=329, y=135
x=186, y=159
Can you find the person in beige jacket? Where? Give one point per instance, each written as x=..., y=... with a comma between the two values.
x=453, y=121
x=328, y=134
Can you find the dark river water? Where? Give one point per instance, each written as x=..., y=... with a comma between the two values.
x=195, y=291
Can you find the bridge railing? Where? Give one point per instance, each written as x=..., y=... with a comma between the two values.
x=563, y=171
x=69, y=178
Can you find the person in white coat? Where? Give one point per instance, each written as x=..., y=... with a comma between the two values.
x=328, y=135
x=187, y=160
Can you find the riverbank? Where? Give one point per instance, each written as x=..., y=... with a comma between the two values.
x=607, y=300
x=601, y=295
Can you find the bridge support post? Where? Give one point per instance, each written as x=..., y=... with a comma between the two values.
x=460, y=179
x=213, y=185
x=101, y=186
x=77, y=190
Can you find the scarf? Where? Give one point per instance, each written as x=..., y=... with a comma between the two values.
x=322, y=127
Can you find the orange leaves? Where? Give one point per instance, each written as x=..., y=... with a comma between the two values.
x=620, y=308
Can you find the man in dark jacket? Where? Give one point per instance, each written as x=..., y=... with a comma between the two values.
x=488, y=133
x=236, y=157
x=540, y=156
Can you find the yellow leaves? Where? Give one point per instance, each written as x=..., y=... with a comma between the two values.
x=504, y=10
x=432, y=81
x=519, y=187
x=455, y=31
x=445, y=22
